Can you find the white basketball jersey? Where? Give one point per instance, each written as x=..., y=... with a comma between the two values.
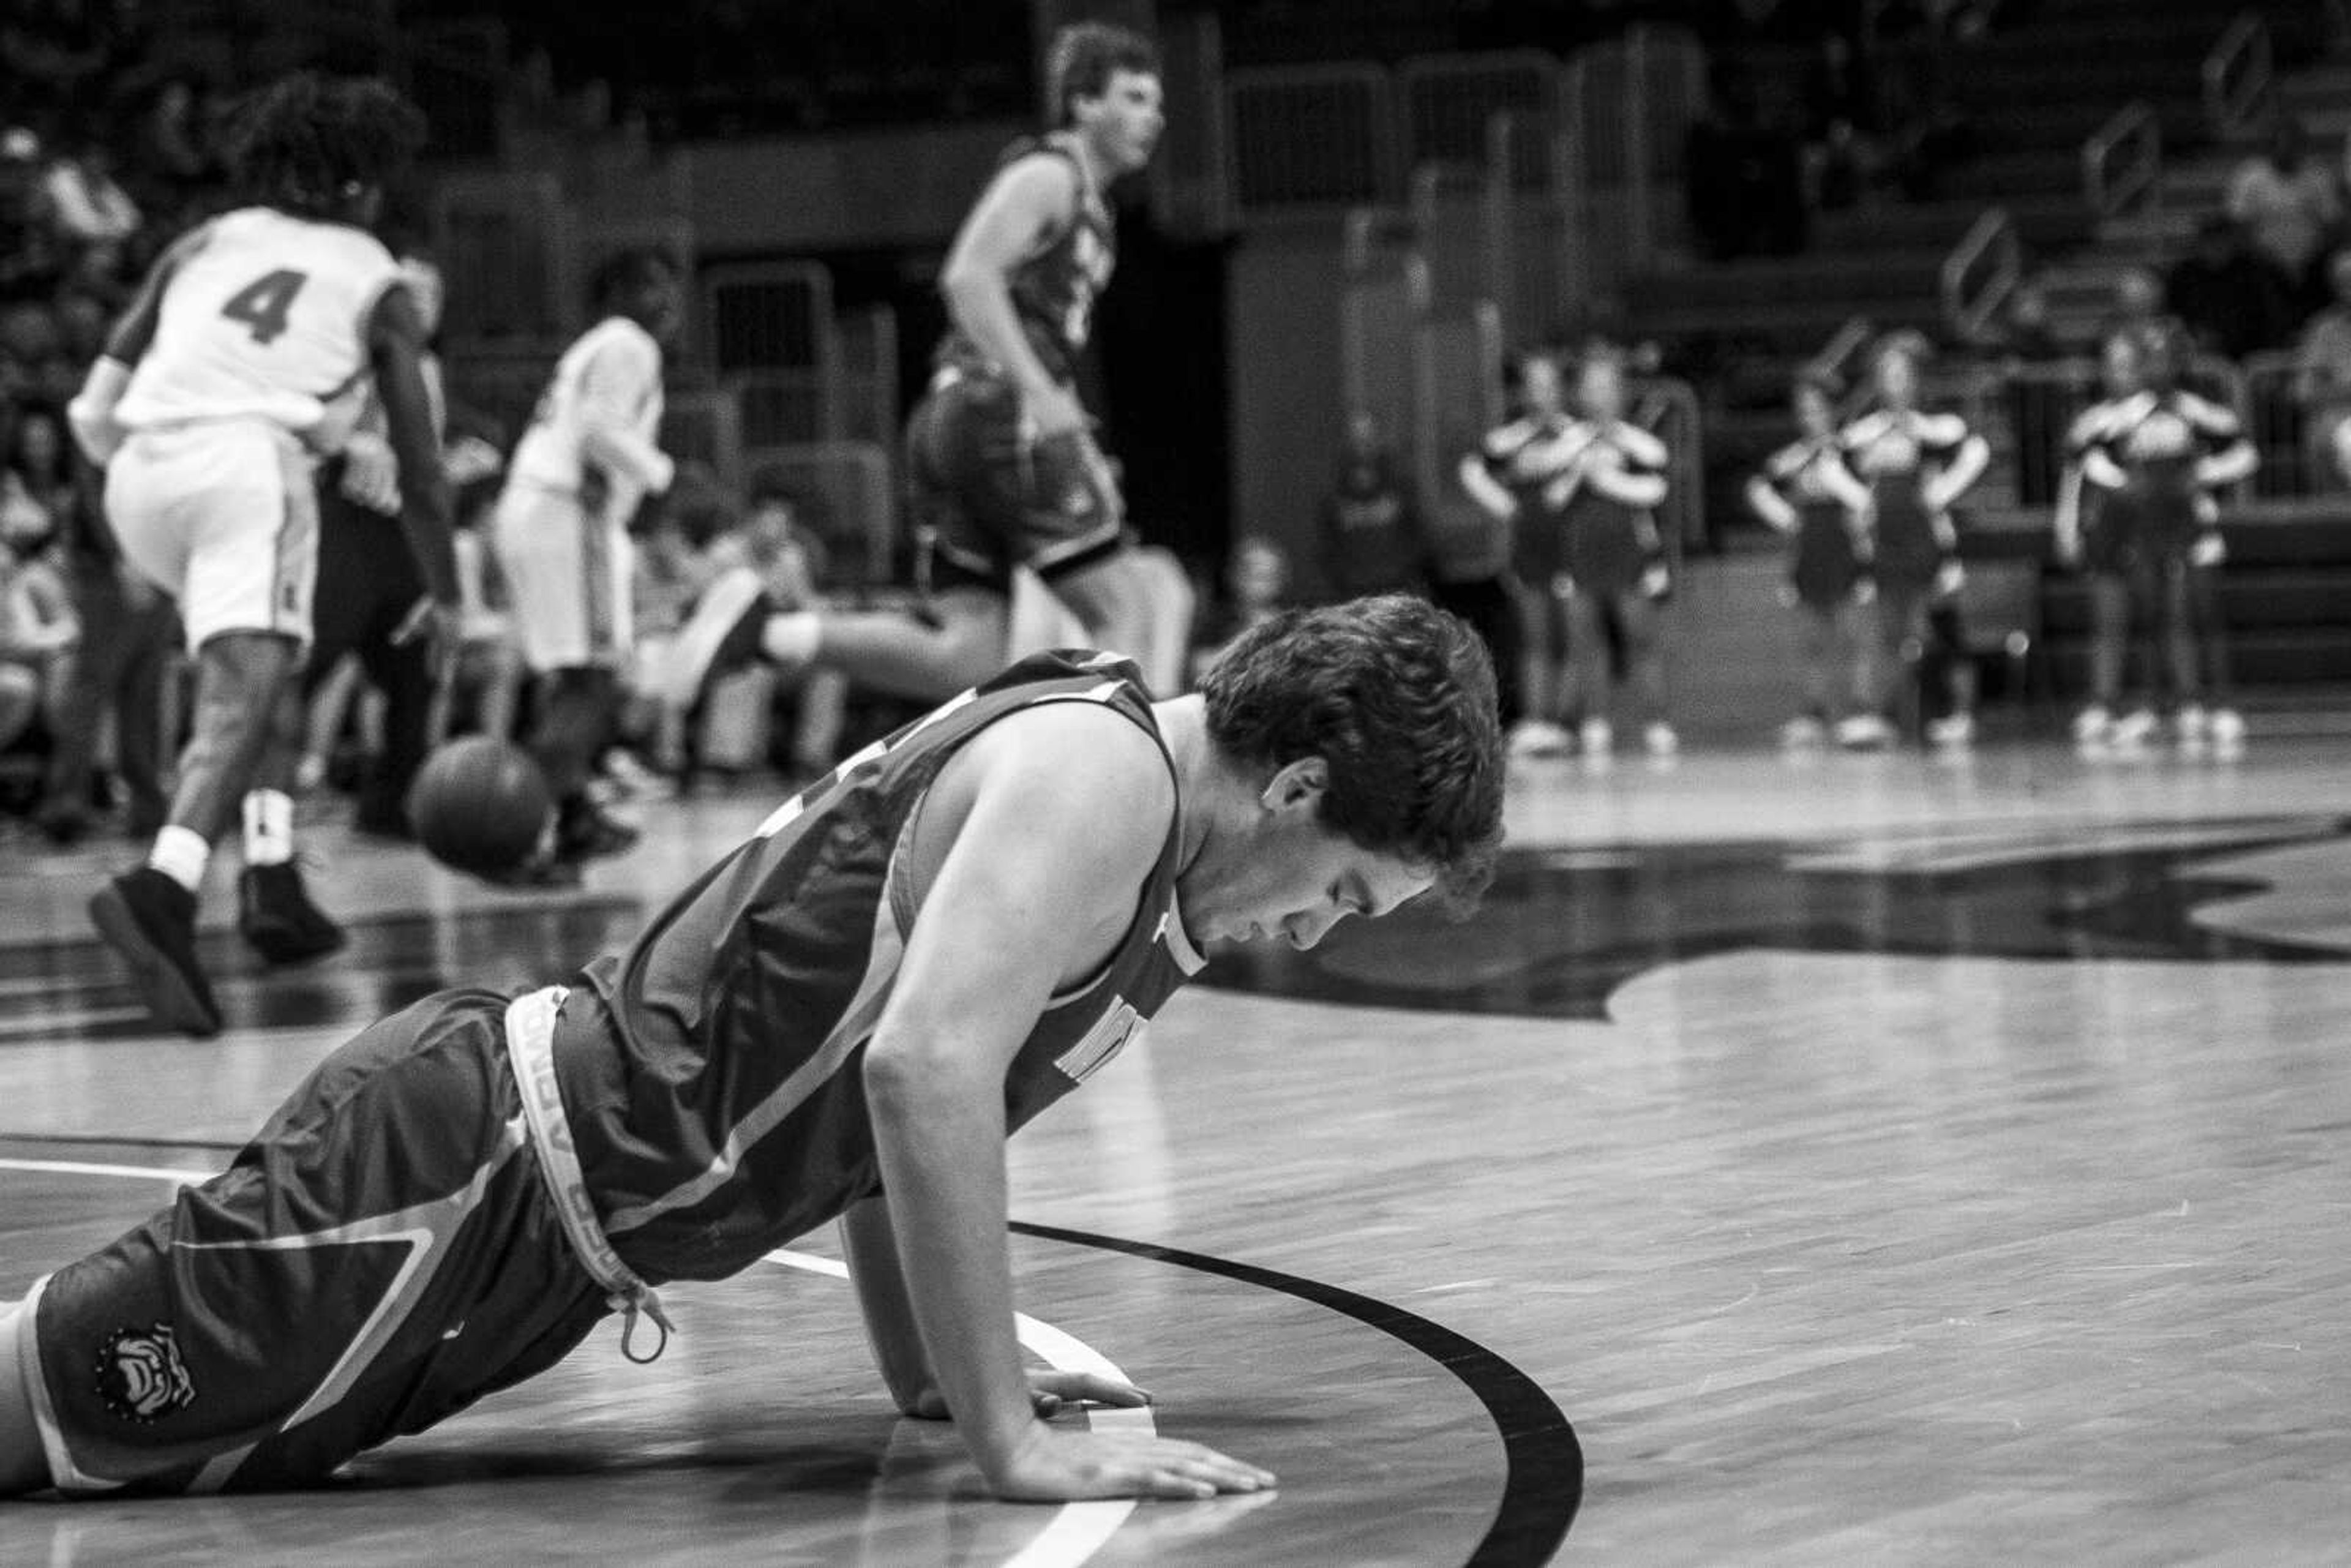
x=611, y=376
x=264, y=315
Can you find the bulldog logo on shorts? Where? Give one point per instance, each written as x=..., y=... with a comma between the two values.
x=141, y=1376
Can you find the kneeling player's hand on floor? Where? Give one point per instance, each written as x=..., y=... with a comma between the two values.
x=1047, y=1392
x=1052, y=1465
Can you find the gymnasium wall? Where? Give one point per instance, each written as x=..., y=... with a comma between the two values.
x=847, y=191
x=1282, y=350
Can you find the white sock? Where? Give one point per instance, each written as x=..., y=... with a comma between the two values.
x=268, y=827
x=182, y=854
x=793, y=638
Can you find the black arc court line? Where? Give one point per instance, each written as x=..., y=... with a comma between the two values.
x=1544, y=1480
x=1543, y=1484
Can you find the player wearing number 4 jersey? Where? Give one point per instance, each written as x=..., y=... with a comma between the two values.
x=242, y=361
x=842, y=1019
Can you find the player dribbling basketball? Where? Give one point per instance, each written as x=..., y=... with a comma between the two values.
x=561, y=533
x=242, y=360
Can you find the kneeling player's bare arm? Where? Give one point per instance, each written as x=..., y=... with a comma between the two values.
x=870, y=1248
x=1035, y=886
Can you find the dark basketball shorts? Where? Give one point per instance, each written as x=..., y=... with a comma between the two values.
x=987, y=497
x=383, y=1253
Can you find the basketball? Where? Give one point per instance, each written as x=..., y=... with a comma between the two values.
x=480, y=806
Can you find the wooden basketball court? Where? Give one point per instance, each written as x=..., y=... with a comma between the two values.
x=1872, y=1160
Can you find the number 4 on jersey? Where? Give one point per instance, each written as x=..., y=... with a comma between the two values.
x=263, y=303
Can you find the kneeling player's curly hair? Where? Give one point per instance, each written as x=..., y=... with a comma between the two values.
x=311, y=143
x=1397, y=698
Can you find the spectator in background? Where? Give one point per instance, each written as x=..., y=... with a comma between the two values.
x=128, y=636
x=1746, y=175
x=1371, y=530
x=1468, y=568
x=734, y=574
x=81, y=320
x=28, y=251
x=51, y=51
x=2322, y=384
x=2231, y=302
x=793, y=564
x=1257, y=589
x=2288, y=206
x=2037, y=407
x=172, y=153
x=1840, y=113
x=38, y=628
x=85, y=201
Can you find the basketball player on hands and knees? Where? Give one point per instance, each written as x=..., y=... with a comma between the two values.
x=1004, y=470
x=842, y=1020
x=241, y=360
x=561, y=533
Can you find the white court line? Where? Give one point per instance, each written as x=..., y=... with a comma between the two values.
x=1079, y=1529
x=136, y=1173
x=1076, y=1531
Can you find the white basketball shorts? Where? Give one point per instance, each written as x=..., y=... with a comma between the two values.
x=221, y=515
x=569, y=576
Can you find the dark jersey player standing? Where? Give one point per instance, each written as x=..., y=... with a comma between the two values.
x=1003, y=469
x=843, y=1018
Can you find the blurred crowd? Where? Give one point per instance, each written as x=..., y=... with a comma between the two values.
x=2260, y=291
x=107, y=150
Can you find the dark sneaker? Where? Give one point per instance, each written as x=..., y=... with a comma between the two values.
x=584, y=831
x=277, y=918
x=150, y=921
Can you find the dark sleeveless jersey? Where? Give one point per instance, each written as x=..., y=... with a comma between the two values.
x=714, y=1072
x=1054, y=288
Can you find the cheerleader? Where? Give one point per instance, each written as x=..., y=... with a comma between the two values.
x=1806, y=492
x=1915, y=466
x=1613, y=574
x=1509, y=475
x=2145, y=529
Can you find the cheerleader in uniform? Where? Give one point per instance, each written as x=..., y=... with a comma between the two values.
x=2146, y=531
x=1510, y=477
x=1613, y=572
x=1805, y=491
x=1915, y=466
